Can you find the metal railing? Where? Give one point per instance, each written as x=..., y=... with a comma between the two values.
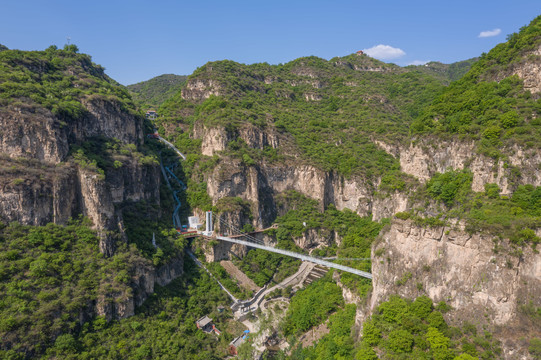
x=172, y=147
x=252, y=241
x=298, y=256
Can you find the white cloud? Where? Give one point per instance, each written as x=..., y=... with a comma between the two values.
x=384, y=52
x=419, y=62
x=490, y=33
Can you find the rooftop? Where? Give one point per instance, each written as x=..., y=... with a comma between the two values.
x=204, y=321
x=237, y=341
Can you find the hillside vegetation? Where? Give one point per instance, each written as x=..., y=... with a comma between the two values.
x=447, y=73
x=335, y=115
x=405, y=329
x=153, y=92
x=164, y=327
x=489, y=104
x=314, y=103
x=57, y=79
x=50, y=277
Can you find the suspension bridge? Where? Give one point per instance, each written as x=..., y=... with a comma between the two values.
x=238, y=236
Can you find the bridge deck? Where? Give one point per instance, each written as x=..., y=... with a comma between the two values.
x=255, y=245
x=172, y=147
x=298, y=256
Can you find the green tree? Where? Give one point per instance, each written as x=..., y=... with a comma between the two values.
x=71, y=48
x=465, y=357
x=400, y=341
x=366, y=353
x=535, y=348
x=371, y=333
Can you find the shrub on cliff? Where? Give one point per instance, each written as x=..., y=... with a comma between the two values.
x=514, y=218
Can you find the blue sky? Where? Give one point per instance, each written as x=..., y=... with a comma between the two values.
x=136, y=40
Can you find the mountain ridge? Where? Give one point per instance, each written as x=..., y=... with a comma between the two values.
x=434, y=188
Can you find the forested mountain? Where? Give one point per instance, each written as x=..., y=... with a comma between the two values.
x=428, y=177
x=312, y=105
x=153, y=92
x=76, y=178
x=447, y=72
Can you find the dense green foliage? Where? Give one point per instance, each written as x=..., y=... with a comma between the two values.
x=450, y=187
x=535, y=348
x=513, y=217
x=265, y=267
x=49, y=276
x=142, y=223
x=57, y=80
x=312, y=305
x=155, y=91
x=337, y=344
x=447, y=73
x=357, y=233
x=488, y=104
x=163, y=327
x=230, y=284
x=314, y=104
x=405, y=329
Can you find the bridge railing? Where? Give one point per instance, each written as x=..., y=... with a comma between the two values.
x=298, y=256
x=255, y=243
x=172, y=147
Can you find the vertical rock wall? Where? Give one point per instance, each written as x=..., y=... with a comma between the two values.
x=483, y=286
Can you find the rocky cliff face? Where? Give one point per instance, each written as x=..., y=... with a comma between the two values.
x=530, y=72
x=528, y=69
x=482, y=285
x=145, y=276
x=424, y=158
x=215, y=139
x=35, y=132
x=32, y=132
x=260, y=183
x=197, y=89
x=49, y=190
x=36, y=193
x=101, y=198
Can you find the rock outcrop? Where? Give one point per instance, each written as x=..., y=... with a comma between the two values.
x=424, y=158
x=484, y=286
x=198, y=90
x=259, y=184
x=40, y=187
x=144, y=278
x=528, y=69
x=215, y=139
x=35, y=132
